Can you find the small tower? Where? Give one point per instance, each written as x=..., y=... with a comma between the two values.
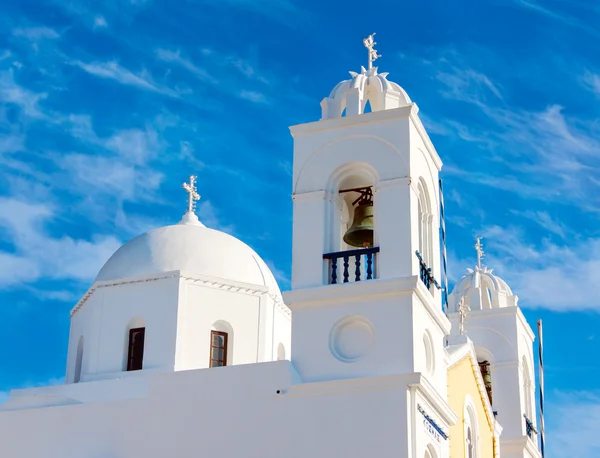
x=504, y=345
x=367, y=304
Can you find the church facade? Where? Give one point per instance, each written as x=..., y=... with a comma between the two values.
x=184, y=345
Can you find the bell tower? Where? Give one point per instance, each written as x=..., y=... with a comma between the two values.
x=503, y=340
x=366, y=270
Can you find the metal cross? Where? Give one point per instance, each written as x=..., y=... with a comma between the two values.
x=480, y=253
x=193, y=196
x=369, y=44
x=463, y=310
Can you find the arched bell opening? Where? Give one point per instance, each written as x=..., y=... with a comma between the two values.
x=353, y=236
x=357, y=213
x=485, y=362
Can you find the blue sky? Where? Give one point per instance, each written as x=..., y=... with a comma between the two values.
x=106, y=107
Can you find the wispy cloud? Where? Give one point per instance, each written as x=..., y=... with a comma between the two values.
x=279, y=10
x=253, y=96
x=100, y=22
x=574, y=418
x=14, y=94
x=38, y=254
x=36, y=33
x=545, y=275
x=176, y=58
x=113, y=71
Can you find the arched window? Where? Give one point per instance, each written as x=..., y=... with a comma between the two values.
x=280, y=352
x=221, y=344
x=425, y=220
x=471, y=432
x=527, y=390
x=78, y=360
x=218, y=349
x=135, y=349
x=429, y=355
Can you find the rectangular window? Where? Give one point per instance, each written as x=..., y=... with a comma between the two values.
x=218, y=349
x=135, y=353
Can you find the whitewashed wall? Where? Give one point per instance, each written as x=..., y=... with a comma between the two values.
x=230, y=412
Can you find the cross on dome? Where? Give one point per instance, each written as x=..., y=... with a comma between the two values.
x=193, y=195
x=190, y=216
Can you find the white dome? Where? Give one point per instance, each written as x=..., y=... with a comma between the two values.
x=481, y=290
x=189, y=246
x=352, y=95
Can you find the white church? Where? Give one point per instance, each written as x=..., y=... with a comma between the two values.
x=184, y=346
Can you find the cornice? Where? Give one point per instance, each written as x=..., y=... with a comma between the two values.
x=341, y=293
x=204, y=280
x=365, y=118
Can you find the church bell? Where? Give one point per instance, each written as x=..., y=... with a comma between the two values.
x=360, y=233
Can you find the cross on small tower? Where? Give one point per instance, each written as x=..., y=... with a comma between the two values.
x=193, y=196
x=463, y=311
x=369, y=44
x=480, y=253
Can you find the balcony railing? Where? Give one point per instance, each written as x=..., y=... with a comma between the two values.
x=426, y=274
x=363, y=267
x=529, y=428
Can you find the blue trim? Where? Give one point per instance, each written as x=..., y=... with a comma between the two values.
x=432, y=423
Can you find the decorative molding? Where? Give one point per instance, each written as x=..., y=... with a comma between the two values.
x=334, y=123
x=392, y=183
x=309, y=196
x=211, y=282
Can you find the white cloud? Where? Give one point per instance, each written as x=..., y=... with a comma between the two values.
x=36, y=33
x=551, y=276
x=573, y=421
x=135, y=144
x=100, y=22
x=103, y=176
x=114, y=71
x=592, y=82
x=253, y=96
x=38, y=254
x=175, y=57
x=14, y=94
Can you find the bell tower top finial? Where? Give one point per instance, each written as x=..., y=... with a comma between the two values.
x=480, y=253
x=369, y=44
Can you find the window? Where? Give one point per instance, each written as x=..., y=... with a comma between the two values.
x=135, y=353
x=471, y=430
x=470, y=445
x=218, y=349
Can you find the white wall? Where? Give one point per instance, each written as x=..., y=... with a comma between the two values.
x=178, y=311
x=232, y=412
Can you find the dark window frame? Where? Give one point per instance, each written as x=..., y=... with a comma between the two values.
x=211, y=360
x=135, y=362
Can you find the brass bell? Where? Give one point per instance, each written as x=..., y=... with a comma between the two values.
x=360, y=233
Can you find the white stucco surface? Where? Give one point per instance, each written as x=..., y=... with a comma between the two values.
x=190, y=246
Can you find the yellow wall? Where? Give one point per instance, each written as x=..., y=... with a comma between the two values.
x=462, y=381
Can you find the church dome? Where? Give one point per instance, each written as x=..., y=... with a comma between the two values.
x=482, y=290
x=189, y=246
